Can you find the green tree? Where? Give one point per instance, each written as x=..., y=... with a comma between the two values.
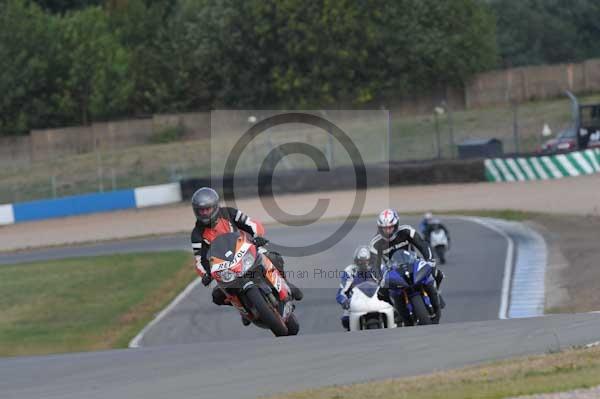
x=546, y=31
x=28, y=54
x=139, y=26
x=95, y=67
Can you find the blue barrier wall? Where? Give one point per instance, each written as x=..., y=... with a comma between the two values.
x=74, y=205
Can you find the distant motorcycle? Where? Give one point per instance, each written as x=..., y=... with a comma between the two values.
x=411, y=281
x=252, y=284
x=366, y=311
x=438, y=240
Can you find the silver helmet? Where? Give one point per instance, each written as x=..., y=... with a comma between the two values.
x=362, y=256
x=205, y=203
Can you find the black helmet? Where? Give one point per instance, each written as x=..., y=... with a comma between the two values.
x=205, y=203
x=362, y=256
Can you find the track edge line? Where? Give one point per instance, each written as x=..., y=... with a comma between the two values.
x=136, y=342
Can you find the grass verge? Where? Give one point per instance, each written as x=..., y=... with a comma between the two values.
x=571, y=369
x=85, y=304
x=412, y=138
x=506, y=214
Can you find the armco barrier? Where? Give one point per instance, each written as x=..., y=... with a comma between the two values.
x=296, y=181
x=90, y=203
x=546, y=167
x=342, y=178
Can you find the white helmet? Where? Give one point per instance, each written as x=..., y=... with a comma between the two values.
x=388, y=223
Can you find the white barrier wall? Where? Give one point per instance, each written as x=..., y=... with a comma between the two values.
x=7, y=215
x=157, y=195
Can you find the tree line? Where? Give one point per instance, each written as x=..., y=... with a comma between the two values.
x=68, y=62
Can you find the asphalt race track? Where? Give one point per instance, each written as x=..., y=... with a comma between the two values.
x=472, y=287
x=221, y=357
x=249, y=368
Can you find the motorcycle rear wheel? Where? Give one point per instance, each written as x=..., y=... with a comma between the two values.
x=266, y=313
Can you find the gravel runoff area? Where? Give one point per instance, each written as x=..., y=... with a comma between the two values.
x=592, y=393
x=579, y=196
x=573, y=270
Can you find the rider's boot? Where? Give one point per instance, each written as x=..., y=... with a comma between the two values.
x=439, y=277
x=346, y=322
x=296, y=292
x=278, y=262
x=442, y=302
x=245, y=321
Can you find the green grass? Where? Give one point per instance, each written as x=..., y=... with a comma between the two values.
x=415, y=137
x=506, y=214
x=572, y=369
x=85, y=303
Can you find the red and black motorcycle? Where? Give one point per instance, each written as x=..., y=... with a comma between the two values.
x=252, y=284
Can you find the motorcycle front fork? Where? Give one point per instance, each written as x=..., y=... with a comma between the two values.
x=431, y=302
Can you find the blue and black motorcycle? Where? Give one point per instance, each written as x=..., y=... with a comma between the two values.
x=409, y=283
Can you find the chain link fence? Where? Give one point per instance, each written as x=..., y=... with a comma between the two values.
x=168, y=156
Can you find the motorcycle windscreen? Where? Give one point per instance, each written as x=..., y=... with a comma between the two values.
x=369, y=288
x=395, y=279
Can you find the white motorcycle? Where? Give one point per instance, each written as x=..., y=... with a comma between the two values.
x=439, y=242
x=366, y=311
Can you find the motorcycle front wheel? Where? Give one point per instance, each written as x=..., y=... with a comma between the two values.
x=292, y=325
x=266, y=313
x=420, y=313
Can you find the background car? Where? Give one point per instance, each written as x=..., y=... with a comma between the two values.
x=565, y=141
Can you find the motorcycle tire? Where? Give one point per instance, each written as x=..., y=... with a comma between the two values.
x=441, y=253
x=420, y=312
x=292, y=325
x=372, y=325
x=266, y=313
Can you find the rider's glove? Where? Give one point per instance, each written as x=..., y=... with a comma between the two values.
x=206, y=279
x=346, y=304
x=260, y=241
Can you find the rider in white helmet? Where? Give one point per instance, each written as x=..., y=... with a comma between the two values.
x=356, y=273
x=392, y=237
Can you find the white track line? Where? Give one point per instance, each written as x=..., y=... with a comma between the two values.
x=136, y=342
x=508, y=265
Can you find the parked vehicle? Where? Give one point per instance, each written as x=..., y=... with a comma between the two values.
x=584, y=132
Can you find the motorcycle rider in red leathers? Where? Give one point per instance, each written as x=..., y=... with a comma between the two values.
x=212, y=221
